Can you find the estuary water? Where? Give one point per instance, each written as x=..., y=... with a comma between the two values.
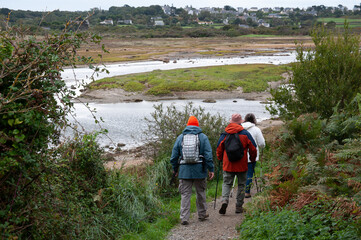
x=125, y=121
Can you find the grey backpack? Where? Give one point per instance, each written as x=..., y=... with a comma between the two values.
x=190, y=149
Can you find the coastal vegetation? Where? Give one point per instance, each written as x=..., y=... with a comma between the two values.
x=54, y=188
x=250, y=77
x=313, y=164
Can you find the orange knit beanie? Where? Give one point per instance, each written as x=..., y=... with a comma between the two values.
x=193, y=121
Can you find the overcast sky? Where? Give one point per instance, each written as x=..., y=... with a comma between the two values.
x=84, y=5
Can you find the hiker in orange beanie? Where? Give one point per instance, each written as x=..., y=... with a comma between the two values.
x=193, y=121
x=192, y=156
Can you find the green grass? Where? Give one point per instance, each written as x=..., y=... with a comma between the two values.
x=251, y=77
x=340, y=21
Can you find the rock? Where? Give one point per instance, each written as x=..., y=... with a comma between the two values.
x=175, y=61
x=138, y=100
x=234, y=101
x=72, y=87
x=209, y=100
x=166, y=60
x=120, y=145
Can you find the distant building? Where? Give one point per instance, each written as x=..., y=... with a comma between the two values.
x=167, y=9
x=126, y=22
x=243, y=26
x=312, y=13
x=277, y=9
x=240, y=10
x=204, y=22
x=158, y=23
x=274, y=15
x=253, y=9
x=83, y=24
x=107, y=22
x=262, y=22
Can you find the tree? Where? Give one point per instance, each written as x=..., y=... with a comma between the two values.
x=229, y=8
x=323, y=77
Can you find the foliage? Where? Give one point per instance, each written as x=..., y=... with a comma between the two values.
x=313, y=172
x=34, y=103
x=322, y=78
x=252, y=78
x=289, y=224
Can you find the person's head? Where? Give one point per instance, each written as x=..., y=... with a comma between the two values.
x=236, y=118
x=250, y=117
x=193, y=121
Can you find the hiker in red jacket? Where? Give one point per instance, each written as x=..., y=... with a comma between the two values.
x=232, y=166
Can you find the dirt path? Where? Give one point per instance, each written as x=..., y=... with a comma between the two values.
x=217, y=227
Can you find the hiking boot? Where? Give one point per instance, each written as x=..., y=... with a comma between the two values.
x=185, y=223
x=247, y=195
x=239, y=210
x=223, y=208
x=203, y=218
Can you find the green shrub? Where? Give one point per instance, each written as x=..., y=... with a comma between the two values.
x=288, y=224
x=167, y=123
x=323, y=77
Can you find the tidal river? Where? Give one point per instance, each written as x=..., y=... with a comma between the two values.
x=125, y=121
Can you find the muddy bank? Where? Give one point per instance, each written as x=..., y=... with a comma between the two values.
x=119, y=95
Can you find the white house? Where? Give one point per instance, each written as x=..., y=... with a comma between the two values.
x=158, y=23
x=107, y=22
x=253, y=9
x=240, y=10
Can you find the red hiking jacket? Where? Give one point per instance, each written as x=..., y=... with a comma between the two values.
x=248, y=145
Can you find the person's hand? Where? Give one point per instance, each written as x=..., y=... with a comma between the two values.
x=211, y=175
x=175, y=174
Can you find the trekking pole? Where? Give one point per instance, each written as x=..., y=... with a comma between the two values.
x=255, y=180
x=234, y=183
x=215, y=197
x=260, y=171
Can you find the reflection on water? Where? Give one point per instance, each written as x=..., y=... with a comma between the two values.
x=125, y=121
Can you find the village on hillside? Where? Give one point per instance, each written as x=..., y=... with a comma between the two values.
x=189, y=17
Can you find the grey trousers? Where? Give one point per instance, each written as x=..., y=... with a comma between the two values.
x=185, y=189
x=227, y=186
